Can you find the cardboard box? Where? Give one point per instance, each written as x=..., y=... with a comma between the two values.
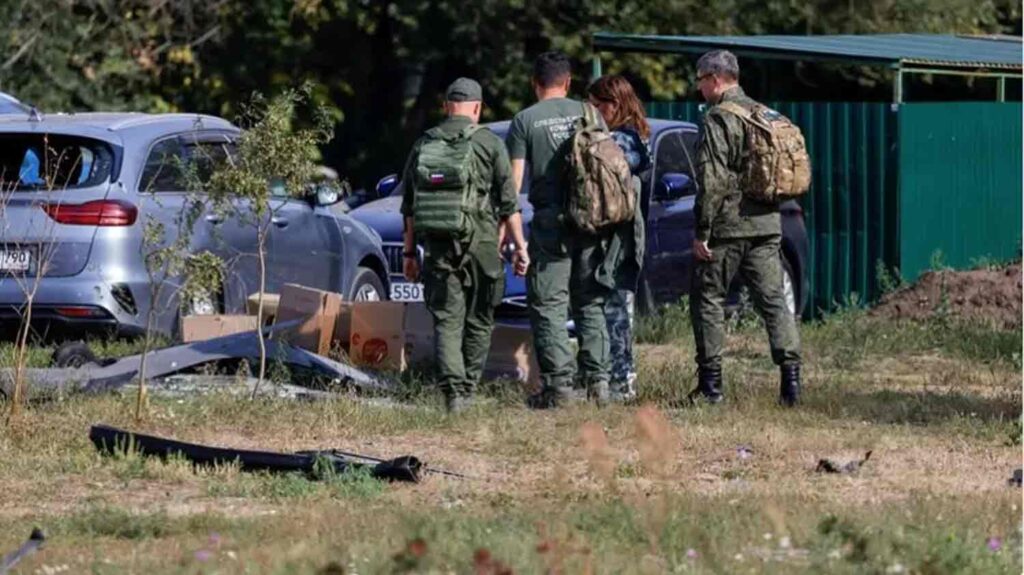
x=377, y=337
x=391, y=335
x=270, y=304
x=319, y=311
x=204, y=327
x=343, y=325
x=512, y=356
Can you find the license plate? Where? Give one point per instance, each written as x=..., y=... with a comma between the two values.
x=15, y=260
x=406, y=292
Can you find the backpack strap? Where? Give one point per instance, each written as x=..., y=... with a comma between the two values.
x=592, y=117
x=746, y=114
x=469, y=130
x=734, y=108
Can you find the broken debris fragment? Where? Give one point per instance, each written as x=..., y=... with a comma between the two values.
x=94, y=378
x=1015, y=479
x=34, y=543
x=829, y=466
x=110, y=440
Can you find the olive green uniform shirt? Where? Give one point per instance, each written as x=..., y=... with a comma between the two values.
x=498, y=198
x=542, y=133
x=721, y=208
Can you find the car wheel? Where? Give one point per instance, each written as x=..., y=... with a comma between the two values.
x=205, y=304
x=367, y=286
x=73, y=354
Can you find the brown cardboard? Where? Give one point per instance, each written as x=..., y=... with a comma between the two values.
x=319, y=310
x=270, y=304
x=204, y=327
x=378, y=335
x=343, y=325
x=512, y=356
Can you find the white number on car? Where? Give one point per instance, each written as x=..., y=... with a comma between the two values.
x=406, y=292
x=15, y=260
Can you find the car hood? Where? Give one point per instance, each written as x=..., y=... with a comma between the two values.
x=384, y=216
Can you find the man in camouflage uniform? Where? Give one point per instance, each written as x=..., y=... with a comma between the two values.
x=566, y=262
x=464, y=281
x=734, y=234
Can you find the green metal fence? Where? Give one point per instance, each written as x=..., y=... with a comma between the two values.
x=960, y=183
x=851, y=211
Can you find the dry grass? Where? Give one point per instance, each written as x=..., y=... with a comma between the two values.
x=625, y=489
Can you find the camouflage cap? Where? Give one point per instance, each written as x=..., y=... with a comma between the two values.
x=464, y=90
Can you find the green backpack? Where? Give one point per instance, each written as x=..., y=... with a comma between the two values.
x=445, y=195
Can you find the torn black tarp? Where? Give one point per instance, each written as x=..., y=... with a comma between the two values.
x=109, y=439
x=34, y=543
x=92, y=378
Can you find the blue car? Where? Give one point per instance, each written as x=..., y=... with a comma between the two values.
x=78, y=190
x=669, y=189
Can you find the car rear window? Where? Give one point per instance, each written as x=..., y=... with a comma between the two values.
x=52, y=162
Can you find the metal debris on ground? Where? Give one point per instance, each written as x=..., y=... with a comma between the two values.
x=1016, y=478
x=109, y=439
x=829, y=466
x=193, y=385
x=92, y=378
x=34, y=543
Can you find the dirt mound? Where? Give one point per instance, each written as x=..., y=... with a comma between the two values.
x=988, y=295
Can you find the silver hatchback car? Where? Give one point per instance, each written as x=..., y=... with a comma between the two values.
x=76, y=189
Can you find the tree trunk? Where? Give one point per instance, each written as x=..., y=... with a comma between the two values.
x=20, y=357
x=259, y=311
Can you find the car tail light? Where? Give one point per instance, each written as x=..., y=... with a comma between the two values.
x=80, y=311
x=95, y=213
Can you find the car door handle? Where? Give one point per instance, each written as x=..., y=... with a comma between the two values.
x=215, y=218
x=279, y=221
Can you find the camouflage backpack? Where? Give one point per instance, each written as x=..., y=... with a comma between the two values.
x=777, y=165
x=444, y=195
x=601, y=187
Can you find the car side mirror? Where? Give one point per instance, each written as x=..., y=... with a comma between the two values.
x=673, y=185
x=329, y=193
x=386, y=185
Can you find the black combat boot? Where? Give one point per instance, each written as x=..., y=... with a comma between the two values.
x=789, y=389
x=709, y=385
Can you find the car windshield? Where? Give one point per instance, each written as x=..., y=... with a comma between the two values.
x=52, y=162
x=9, y=105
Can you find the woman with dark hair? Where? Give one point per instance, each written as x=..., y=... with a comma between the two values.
x=622, y=111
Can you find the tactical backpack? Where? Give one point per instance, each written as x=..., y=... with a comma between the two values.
x=777, y=166
x=444, y=195
x=601, y=187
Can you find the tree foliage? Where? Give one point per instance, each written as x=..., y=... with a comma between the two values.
x=380, y=65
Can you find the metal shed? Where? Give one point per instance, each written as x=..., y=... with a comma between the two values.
x=894, y=183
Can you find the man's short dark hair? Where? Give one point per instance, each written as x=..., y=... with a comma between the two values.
x=719, y=63
x=551, y=68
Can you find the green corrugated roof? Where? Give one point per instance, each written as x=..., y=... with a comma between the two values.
x=965, y=52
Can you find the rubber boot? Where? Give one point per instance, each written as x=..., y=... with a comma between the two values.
x=599, y=392
x=709, y=385
x=552, y=398
x=789, y=388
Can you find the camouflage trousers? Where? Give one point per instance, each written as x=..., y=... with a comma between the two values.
x=759, y=260
x=618, y=312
